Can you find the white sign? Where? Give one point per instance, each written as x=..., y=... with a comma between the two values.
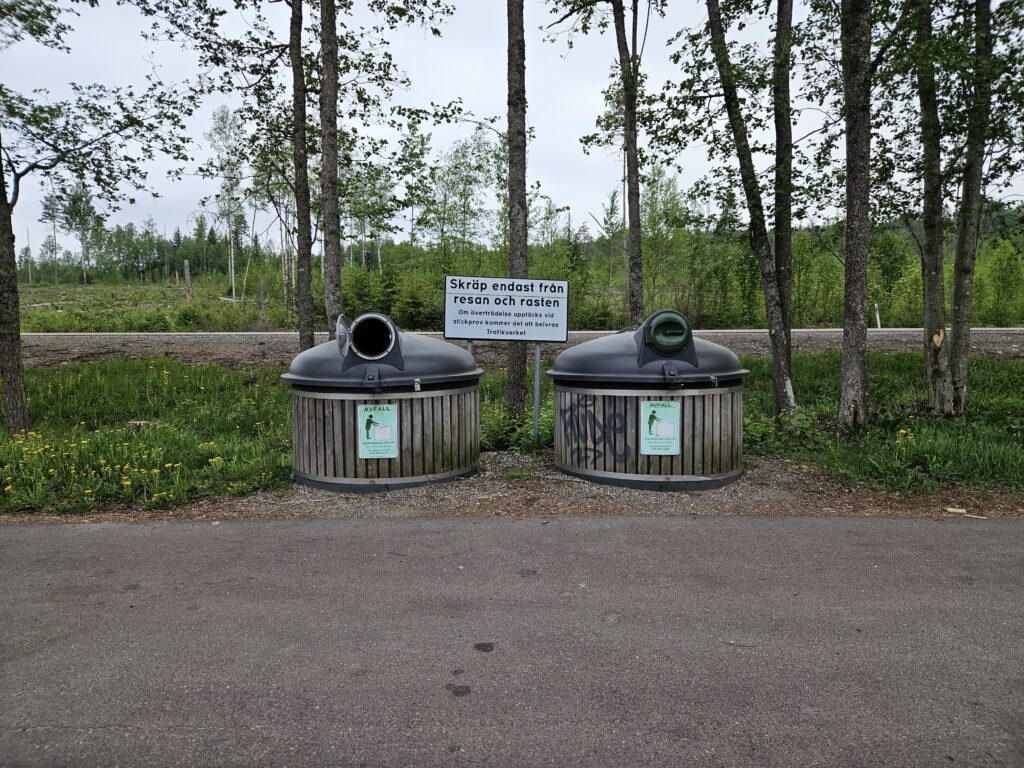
x=506, y=309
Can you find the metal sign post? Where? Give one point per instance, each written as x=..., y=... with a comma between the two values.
x=536, y=393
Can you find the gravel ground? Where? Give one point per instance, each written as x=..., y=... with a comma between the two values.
x=519, y=486
x=278, y=349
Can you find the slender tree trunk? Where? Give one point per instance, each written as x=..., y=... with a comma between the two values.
x=782, y=386
x=515, y=383
x=304, y=230
x=333, y=303
x=933, y=286
x=56, y=250
x=784, y=170
x=969, y=218
x=629, y=67
x=15, y=401
x=231, y=259
x=856, y=54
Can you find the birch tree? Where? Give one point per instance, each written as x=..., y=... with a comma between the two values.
x=100, y=134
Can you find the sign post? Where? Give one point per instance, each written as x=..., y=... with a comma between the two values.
x=508, y=309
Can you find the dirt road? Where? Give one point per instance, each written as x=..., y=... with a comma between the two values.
x=277, y=349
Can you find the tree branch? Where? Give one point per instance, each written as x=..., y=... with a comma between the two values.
x=573, y=11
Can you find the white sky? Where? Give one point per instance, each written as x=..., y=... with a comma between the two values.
x=563, y=88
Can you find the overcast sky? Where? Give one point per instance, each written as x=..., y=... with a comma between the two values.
x=563, y=87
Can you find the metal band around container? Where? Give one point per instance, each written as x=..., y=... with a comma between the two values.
x=352, y=395
x=644, y=393
x=638, y=479
x=387, y=482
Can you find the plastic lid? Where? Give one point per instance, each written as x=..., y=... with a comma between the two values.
x=373, y=354
x=661, y=353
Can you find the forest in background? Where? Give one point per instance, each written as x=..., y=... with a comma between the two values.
x=695, y=260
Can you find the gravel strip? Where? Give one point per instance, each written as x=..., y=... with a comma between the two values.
x=522, y=485
x=278, y=349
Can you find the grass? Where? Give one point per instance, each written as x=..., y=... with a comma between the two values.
x=904, y=448
x=207, y=430
x=210, y=430
x=133, y=307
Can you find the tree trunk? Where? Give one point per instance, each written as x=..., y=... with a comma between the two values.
x=856, y=54
x=515, y=382
x=629, y=67
x=933, y=286
x=304, y=230
x=333, y=302
x=784, y=170
x=782, y=386
x=15, y=401
x=969, y=217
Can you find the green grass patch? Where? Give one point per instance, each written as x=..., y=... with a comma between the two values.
x=206, y=430
x=150, y=308
x=904, y=448
x=211, y=430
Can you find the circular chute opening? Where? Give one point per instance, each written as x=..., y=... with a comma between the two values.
x=372, y=336
x=667, y=332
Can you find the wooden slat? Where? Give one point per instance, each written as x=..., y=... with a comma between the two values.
x=416, y=435
x=460, y=401
x=466, y=419
x=558, y=427
x=439, y=464
x=476, y=428
x=349, y=436
x=601, y=414
x=295, y=432
x=328, y=407
x=737, y=429
x=725, y=439
x=339, y=438
x=429, y=436
x=621, y=434
x=710, y=413
x=307, y=437
x=676, y=465
x=632, y=446
x=698, y=435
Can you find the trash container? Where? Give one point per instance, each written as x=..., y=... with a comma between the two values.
x=378, y=409
x=650, y=407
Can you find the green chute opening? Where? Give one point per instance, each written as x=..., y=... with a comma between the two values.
x=667, y=332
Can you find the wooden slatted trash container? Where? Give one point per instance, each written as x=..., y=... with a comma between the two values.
x=379, y=409
x=652, y=407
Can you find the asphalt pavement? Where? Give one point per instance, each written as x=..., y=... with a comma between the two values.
x=570, y=641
